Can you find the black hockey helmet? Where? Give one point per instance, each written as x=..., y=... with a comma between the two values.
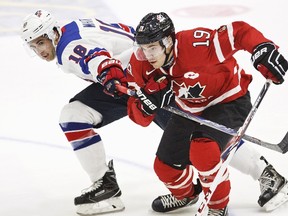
x=154, y=27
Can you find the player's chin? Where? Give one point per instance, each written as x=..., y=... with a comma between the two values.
x=155, y=65
x=49, y=58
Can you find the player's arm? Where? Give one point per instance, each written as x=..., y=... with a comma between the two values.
x=265, y=55
x=135, y=81
x=266, y=58
x=106, y=70
x=136, y=114
x=271, y=64
x=110, y=74
x=156, y=94
x=150, y=94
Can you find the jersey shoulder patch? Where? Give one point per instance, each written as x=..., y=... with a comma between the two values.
x=222, y=28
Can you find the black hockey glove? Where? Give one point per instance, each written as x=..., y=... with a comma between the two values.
x=156, y=94
x=269, y=62
x=110, y=74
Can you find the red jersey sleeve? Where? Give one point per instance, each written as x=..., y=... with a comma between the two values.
x=136, y=115
x=135, y=79
x=246, y=36
x=236, y=36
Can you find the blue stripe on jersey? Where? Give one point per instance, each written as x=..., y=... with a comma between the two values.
x=86, y=142
x=124, y=27
x=92, y=54
x=70, y=32
x=113, y=27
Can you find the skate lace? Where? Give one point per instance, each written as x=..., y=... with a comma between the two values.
x=268, y=180
x=170, y=201
x=216, y=212
x=93, y=187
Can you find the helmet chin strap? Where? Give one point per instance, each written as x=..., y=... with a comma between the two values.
x=166, y=43
x=168, y=60
x=54, y=34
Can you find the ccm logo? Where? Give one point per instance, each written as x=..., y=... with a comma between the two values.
x=146, y=101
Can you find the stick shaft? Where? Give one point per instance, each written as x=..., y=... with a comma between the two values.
x=231, y=148
x=281, y=147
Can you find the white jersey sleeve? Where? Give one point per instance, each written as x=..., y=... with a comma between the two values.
x=85, y=43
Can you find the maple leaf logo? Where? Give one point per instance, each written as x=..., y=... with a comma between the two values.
x=190, y=92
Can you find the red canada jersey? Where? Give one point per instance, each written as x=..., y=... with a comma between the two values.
x=204, y=72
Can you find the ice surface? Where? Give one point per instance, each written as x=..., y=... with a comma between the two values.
x=40, y=176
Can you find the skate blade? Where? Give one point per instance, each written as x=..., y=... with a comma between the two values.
x=280, y=198
x=105, y=206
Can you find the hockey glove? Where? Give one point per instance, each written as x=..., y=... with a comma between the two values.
x=157, y=93
x=269, y=62
x=111, y=73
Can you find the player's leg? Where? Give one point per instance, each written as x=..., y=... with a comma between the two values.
x=161, y=118
x=247, y=159
x=273, y=186
x=91, y=109
x=205, y=155
x=173, y=167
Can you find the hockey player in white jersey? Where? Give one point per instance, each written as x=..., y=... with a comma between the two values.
x=98, y=52
x=87, y=48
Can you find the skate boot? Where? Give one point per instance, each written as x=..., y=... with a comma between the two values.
x=103, y=196
x=166, y=203
x=273, y=187
x=218, y=212
x=169, y=202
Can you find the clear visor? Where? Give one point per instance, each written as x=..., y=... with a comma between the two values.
x=148, y=51
x=29, y=50
x=33, y=49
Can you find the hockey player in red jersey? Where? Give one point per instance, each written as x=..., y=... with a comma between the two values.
x=197, y=67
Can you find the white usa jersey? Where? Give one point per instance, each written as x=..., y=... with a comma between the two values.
x=85, y=43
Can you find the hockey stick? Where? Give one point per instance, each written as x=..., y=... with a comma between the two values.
x=231, y=148
x=281, y=147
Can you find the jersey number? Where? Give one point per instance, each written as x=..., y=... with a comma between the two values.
x=80, y=51
x=200, y=34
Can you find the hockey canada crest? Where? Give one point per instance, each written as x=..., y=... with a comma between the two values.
x=193, y=93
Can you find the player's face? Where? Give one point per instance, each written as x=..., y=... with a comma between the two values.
x=43, y=47
x=154, y=53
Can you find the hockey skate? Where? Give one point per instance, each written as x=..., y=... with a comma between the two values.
x=169, y=202
x=274, y=188
x=166, y=203
x=102, y=197
x=218, y=212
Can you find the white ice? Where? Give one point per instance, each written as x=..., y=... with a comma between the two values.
x=40, y=176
